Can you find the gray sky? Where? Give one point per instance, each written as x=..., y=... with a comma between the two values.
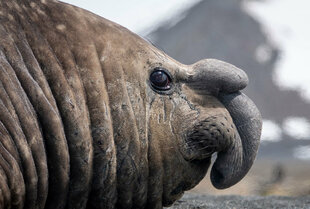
x=139, y=16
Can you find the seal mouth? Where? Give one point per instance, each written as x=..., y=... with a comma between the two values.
x=208, y=136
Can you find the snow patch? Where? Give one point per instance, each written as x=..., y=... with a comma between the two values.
x=286, y=23
x=297, y=127
x=263, y=53
x=271, y=132
x=302, y=152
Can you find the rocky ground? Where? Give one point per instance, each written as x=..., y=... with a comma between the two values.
x=198, y=201
x=269, y=184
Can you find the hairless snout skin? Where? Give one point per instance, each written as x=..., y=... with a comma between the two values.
x=93, y=116
x=224, y=81
x=216, y=76
x=248, y=122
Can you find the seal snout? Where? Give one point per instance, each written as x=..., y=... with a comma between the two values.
x=211, y=135
x=214, y=76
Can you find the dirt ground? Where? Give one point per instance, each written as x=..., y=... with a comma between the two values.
x=267, y=177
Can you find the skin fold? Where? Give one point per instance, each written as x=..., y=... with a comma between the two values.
x=83, y=126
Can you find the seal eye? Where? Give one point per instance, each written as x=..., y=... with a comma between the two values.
x=160, y=80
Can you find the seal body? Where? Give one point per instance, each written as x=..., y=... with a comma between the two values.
x=93, y=116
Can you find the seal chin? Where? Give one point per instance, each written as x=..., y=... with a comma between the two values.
x=178, y=191
x=168, y=201
x=208, y=136
x=184, y=176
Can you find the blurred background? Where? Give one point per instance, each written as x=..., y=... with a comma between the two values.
x=270, y=40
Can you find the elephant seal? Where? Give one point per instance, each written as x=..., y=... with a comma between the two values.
x=93, y=116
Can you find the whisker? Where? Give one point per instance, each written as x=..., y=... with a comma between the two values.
x=196, y=142
x=201, y=143
x=206, y=148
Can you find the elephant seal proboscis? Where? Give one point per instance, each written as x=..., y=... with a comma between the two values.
x=93, y=116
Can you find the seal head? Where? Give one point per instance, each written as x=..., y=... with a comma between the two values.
x=100, y=118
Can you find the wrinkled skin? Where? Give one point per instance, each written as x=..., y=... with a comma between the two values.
x=82, y=126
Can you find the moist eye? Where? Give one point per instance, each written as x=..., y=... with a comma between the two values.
x=160, y=80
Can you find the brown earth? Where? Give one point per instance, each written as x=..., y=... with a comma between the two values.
x=267, y=177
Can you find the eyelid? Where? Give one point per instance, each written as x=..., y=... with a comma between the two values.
x=171, y=85
x=157, y=85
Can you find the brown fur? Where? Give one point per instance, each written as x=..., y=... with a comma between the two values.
x=80, y=125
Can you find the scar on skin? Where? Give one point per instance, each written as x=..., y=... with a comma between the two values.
x=41, y=12
x=102, y=59
x=61, y=27
x=10, y=17
x=32, y=4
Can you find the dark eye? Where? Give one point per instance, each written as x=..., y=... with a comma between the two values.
x=160, y=80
